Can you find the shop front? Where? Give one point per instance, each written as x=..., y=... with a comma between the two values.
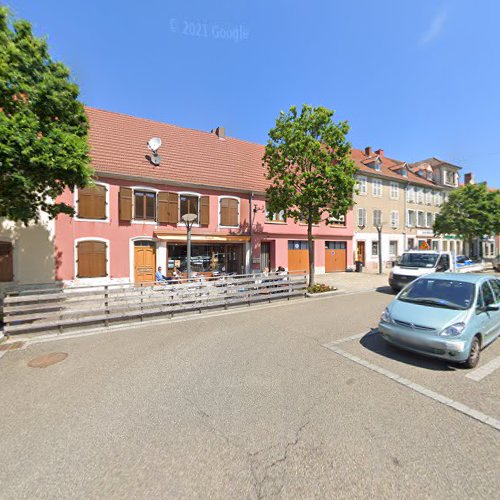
x=210, y=254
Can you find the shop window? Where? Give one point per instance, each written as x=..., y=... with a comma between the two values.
x=411, y=243
x=92, y=202
x=6, y=261
x=91, y=259
x=145, y=205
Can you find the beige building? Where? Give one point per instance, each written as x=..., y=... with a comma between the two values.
x=401, y=201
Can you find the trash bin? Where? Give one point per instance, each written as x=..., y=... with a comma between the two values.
x=359, y=266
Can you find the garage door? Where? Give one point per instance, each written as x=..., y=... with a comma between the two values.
x=335, y=256
x=298, y=256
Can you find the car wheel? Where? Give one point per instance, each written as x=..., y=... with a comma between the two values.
x=474, y=354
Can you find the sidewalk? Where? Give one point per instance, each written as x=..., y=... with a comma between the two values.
x=353, y=282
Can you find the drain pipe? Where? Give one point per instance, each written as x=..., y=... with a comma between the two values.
x=251, y=232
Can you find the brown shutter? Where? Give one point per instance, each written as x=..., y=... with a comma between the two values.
x=224, y=212
x=92, y=202
x=125, y=204
x=233, y=212
x=204, y=210
x=172, y=208
x=6, y=261
x=163, y=215
x=91, y=259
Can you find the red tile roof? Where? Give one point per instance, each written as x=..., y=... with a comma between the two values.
x=118, y=145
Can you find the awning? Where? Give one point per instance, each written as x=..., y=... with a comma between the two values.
x=175, y=237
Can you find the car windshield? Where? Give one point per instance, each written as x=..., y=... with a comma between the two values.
x=449, y=294
x=418, y=259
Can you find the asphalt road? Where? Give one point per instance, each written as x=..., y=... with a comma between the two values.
x=245, y=405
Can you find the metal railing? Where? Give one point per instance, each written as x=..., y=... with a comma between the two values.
x=30, y=311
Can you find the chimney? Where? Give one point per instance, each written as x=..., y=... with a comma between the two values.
x=380, y=152
x=469, y=178
x=368, y=151
x=220, y=132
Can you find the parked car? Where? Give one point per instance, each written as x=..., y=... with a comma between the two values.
x=450, y=316
x=496, y=264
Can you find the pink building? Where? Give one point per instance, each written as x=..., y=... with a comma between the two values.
x=129, y=223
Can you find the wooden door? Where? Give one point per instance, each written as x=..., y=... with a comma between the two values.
x=335, y=256
x=144, y=261
x=360, y=252
x=298, y=256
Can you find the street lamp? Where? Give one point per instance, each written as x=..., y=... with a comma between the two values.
x=379, y=227
x=189, y=220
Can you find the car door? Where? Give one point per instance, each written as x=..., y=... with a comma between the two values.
x=495, y=285
x=488, y=319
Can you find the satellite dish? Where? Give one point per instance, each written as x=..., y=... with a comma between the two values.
x=155, y=159
x=154, y=144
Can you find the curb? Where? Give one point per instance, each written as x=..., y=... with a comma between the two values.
x=323, y=294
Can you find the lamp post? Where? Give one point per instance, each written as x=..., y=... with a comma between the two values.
x=379, y=227
x=189, y=220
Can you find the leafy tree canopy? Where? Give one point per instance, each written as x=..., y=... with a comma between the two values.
x=43, y=126
x=310, y=169
x=472, y=211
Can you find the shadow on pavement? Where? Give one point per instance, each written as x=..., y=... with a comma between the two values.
x=386, y=289
x=374, y=342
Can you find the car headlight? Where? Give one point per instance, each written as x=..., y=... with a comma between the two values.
x=453, y=330
x=386, y=316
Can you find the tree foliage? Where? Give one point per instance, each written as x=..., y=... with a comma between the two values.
x=43, y=126
x=310, y=168
x=472, y=211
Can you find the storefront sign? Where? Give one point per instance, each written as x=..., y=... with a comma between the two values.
x=425, y=232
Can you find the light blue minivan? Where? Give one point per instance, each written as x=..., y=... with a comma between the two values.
x=451, y=316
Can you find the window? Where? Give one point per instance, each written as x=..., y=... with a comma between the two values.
x=362, y=184
x=393, y=248
x=91, y=259
x=189, y=205
x=411, y=243
x=410, y=194
x=438, y=198
x=377, y=187
x=374, y=248
x=229, y=212
x=377, y=217
x=338, y=221
x=91, y=202
x=6, y=261
x=410, y=218
x=394, y=219
x=361, y=217
x=495, y=284
x=297, y=245
x=335, y=245
x=420, y=195
x=430, y=219
x=145, y=205
x=428, y=196
x=394, y=193
x=487, y=295
x=275, y=217
x=420, y=219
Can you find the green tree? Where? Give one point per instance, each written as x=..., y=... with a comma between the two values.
x=309, y=165
x=43, y=126
x=472, y=211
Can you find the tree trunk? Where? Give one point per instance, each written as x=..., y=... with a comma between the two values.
x=310, y=248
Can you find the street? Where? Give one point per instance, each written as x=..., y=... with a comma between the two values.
x=298, y=399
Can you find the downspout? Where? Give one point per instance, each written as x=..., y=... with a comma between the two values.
x=249, y=267
x=405, y=218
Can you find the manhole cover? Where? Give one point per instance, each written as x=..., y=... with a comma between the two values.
x=48, y=359
x=11, y=346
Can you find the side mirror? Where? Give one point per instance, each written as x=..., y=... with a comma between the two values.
x=440, y=269
x=492, y=307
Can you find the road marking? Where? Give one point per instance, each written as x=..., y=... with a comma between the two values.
x=435, y=396
x=485, y=370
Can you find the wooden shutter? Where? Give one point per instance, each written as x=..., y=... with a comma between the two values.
x=92, y=202
x=163, y=213
x=233, y=212
x=6, y=261
x=204, y=210
x=125, y=204
x=224, y=212
x=229, y=212
x=91, y=259
x=172, y=216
